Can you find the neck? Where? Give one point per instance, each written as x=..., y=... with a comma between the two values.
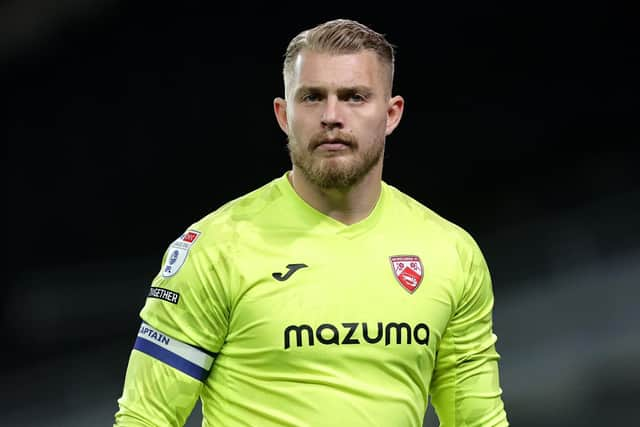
x=349, y=205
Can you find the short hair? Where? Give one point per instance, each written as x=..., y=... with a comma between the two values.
x=340, y=36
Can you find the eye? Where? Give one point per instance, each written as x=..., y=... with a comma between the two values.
x=356, y=97
x=310, y=97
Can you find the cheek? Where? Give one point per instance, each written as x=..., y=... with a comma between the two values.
x=373, y=125
x=296, y=129
x=302, y=124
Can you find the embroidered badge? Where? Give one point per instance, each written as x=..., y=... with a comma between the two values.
x=408, y=271
x=178, y=251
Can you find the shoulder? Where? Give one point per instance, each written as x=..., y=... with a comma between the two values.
x=430, y=223
x=224, y=223
x=408, y=207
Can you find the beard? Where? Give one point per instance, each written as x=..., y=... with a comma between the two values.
x=335, y=172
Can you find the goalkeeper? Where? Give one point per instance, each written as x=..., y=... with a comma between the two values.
x=326, y=297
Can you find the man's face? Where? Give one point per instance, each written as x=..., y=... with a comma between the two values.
x=336, y=115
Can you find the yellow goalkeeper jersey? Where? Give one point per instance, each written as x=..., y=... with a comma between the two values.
x=274, y=314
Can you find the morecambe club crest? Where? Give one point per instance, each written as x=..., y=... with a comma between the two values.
x=408, y=270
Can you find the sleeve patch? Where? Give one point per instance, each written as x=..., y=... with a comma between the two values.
x=178, y=251
x=164, y=294
x=186, y=358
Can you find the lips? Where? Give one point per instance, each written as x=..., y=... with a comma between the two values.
x=335, y=143
x=332, y=143
x=333, y=146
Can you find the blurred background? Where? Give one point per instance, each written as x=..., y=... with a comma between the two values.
x=126, y=121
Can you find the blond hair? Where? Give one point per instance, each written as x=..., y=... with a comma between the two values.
x=340, y=36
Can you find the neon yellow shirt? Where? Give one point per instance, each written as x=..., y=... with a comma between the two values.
x=274, y=314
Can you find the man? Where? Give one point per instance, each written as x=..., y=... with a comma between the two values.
x=326, y=297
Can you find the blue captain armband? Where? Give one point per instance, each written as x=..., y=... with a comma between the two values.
x=188, y=359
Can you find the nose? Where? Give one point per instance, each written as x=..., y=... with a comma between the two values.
x=331, y=116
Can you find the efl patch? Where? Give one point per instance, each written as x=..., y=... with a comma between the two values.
x=408, y=271
x=164, y=294
x=178, y=251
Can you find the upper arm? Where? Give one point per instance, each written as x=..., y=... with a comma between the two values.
x=185, y=320
x=465, y=389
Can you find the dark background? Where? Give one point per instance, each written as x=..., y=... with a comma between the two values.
x=125, y=122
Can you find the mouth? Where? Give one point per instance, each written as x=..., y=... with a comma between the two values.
x=333, y=144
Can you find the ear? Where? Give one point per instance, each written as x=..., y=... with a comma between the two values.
x=394, y=113
x=280, y=109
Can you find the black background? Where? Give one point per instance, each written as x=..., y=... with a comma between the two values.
x=128, y=121
x=126, y=126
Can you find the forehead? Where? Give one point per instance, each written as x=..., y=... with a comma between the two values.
x=329, y=69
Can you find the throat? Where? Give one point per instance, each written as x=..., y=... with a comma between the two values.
x=345, y=205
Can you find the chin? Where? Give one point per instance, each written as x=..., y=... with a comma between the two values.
x=335, y=176
x=338, y=166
